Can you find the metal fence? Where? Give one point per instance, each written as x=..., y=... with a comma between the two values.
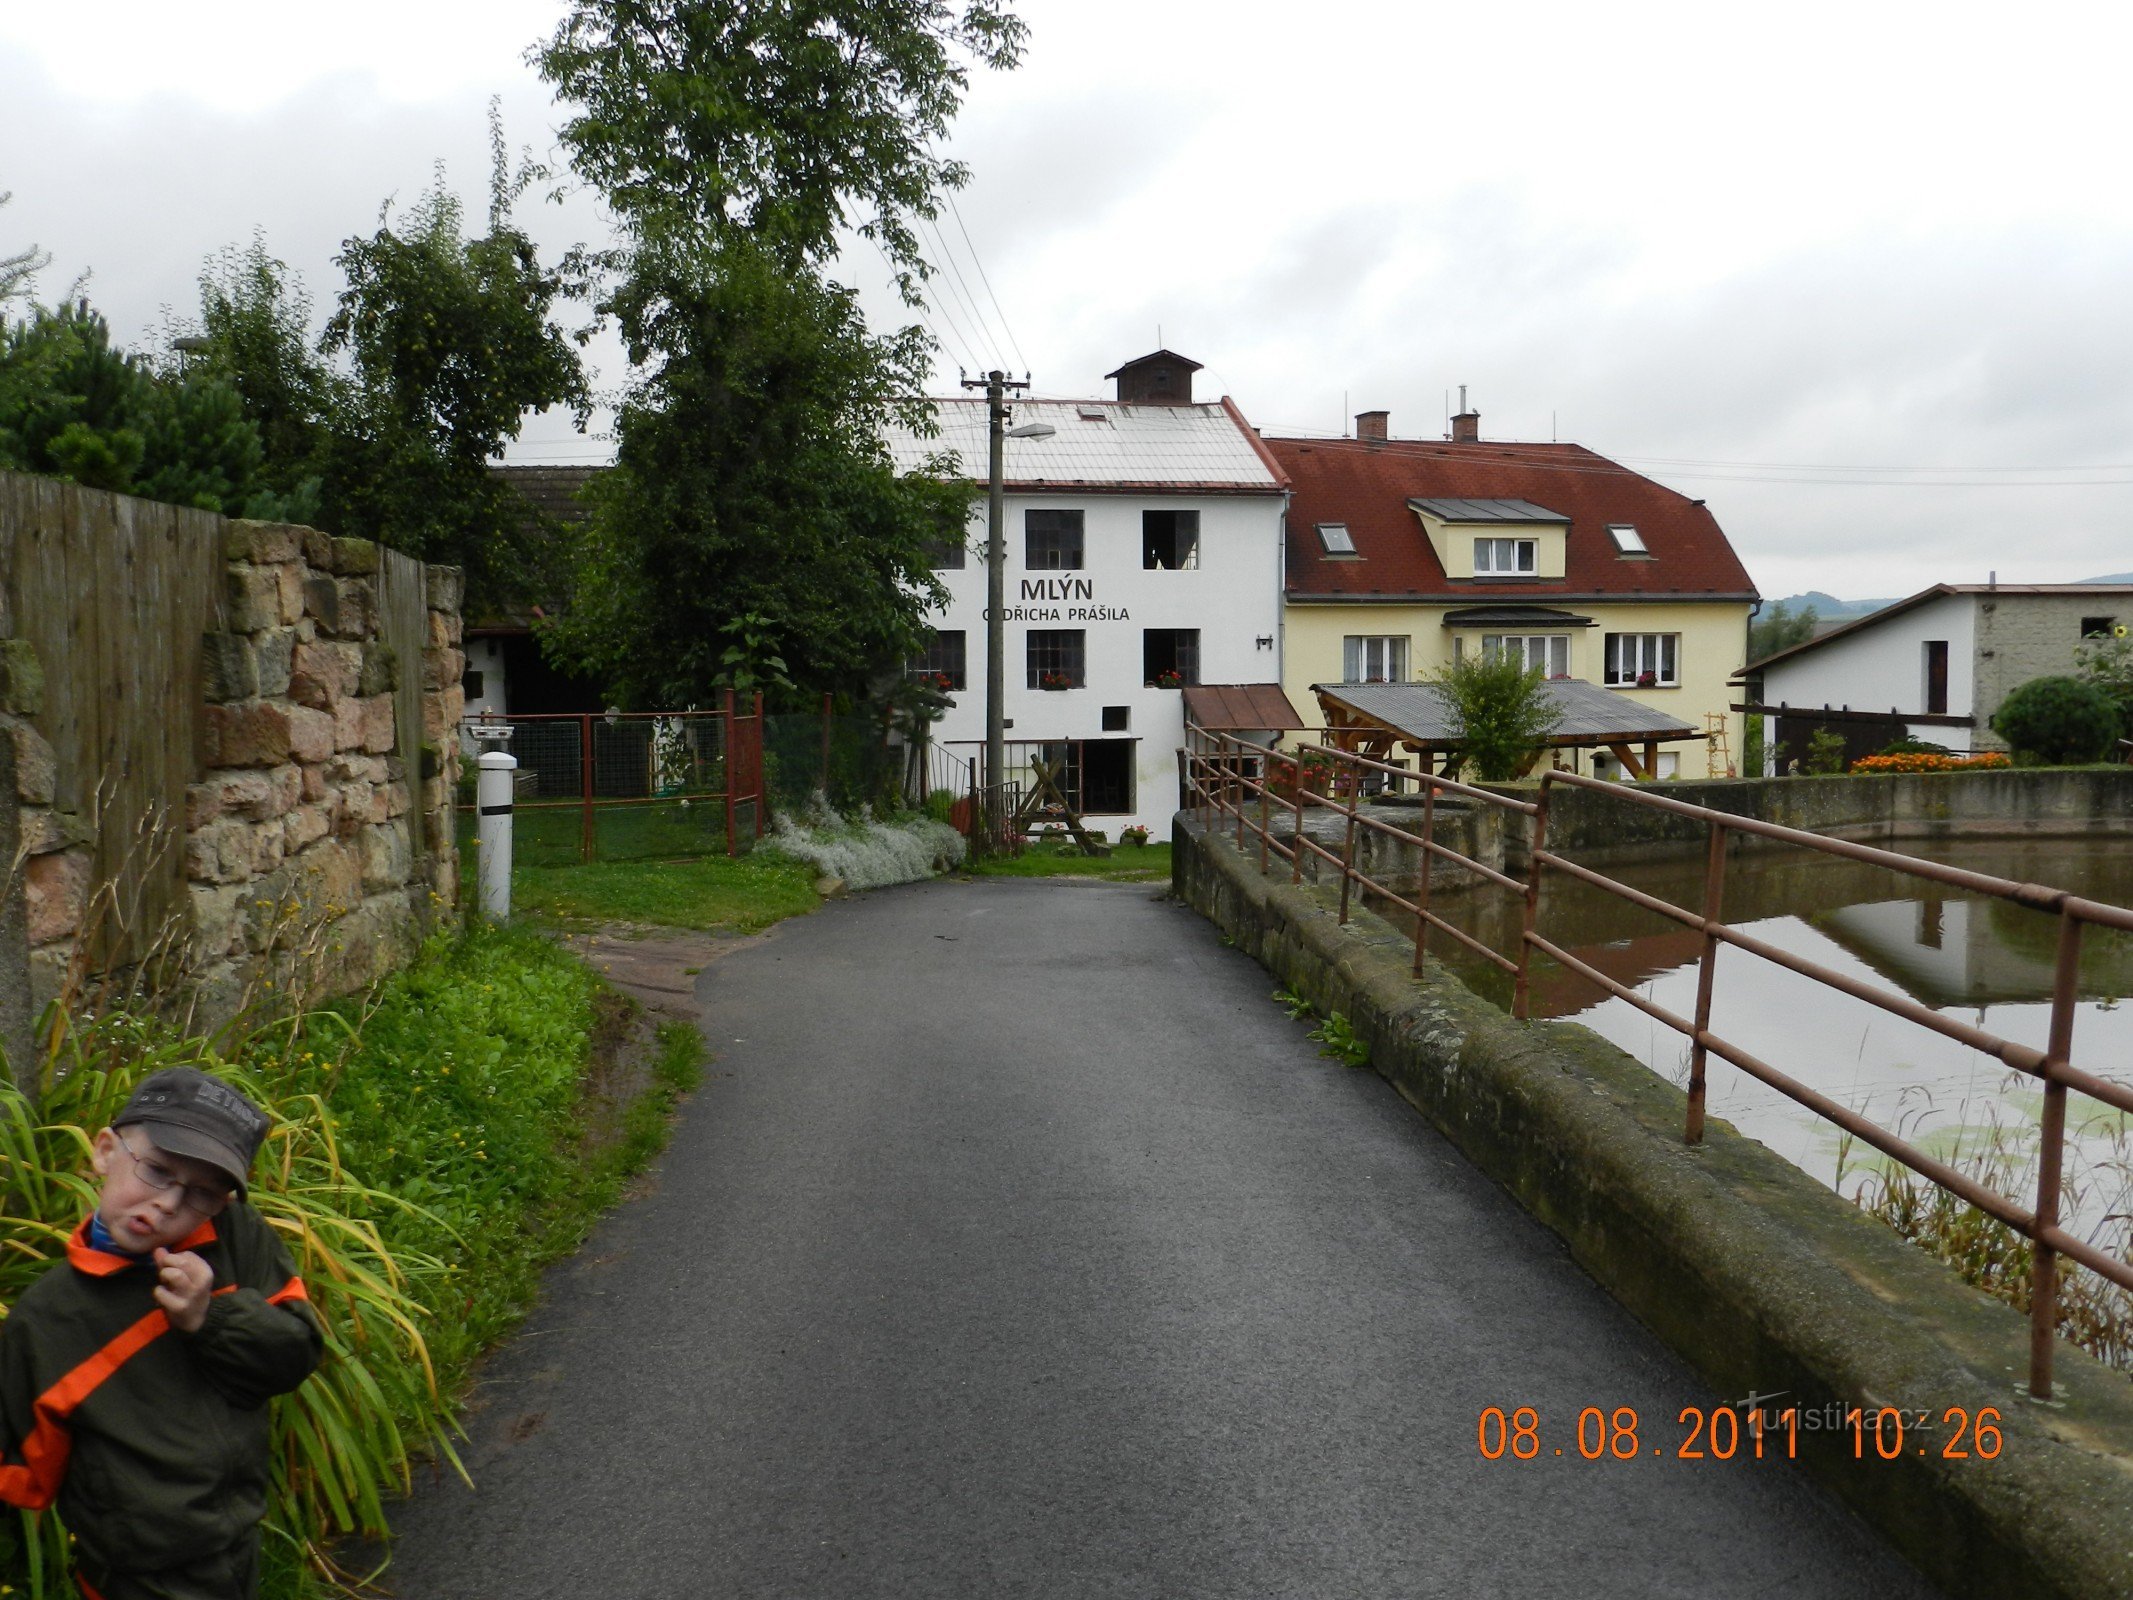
x=631, y=785
x=1232, y=781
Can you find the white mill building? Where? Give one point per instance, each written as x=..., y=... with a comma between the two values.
x=1144, y=549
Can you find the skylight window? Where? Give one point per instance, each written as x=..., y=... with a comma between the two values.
x=1334, y=536
x=1627, y=539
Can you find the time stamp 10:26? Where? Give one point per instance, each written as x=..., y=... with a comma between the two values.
x=1723, y=1434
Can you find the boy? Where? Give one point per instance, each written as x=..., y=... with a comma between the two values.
x=134, y=1380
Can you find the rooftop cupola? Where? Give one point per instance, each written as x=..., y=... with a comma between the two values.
x=1161, y=379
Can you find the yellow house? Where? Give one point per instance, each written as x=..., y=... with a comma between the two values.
x=1404, y=553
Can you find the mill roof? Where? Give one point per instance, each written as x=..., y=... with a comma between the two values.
x=1102, y=446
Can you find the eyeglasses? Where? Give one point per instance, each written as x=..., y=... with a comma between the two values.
x=206, y=1202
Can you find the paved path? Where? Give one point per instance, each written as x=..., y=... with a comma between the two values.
x=1018, y=1245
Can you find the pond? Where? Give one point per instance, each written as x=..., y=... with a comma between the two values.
x=1984, y=961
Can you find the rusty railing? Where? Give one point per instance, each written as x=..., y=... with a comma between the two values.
x=1232, y=781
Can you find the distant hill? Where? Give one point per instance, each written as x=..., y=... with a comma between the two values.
x=1828, y=608
x=2116, y=577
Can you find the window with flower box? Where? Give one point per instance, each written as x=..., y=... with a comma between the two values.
x=1643, y=661
x=1057, y=658
x=1170, y=657
x=942, y=662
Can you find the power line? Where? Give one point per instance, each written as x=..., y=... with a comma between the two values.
x=978, y=262
x=960, y=287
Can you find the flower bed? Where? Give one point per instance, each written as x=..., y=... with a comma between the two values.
x=1922, y=762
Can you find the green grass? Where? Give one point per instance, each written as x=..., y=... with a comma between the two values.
x=1126, y=863
x=541, y=837
x=744, y=894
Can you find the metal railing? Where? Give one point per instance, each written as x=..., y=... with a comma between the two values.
x=1228, y=779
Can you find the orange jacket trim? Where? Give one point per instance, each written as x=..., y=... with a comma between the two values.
x=35, y=1483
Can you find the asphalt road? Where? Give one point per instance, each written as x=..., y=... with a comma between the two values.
x=1019, y=1245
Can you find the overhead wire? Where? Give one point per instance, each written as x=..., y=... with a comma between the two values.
x=960, y=289
x=986, y=279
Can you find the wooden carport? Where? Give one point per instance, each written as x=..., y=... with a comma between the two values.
x=1377, y=719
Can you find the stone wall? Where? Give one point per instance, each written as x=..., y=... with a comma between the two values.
x=314, y=841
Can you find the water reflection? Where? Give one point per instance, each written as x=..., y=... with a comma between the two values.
x=1989, y=960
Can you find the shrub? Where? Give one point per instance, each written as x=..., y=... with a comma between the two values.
x=1913, y=747
x=2057, y=720
x=1499, y=710
x=1825, y=752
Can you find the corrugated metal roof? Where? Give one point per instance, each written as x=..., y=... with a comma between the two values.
x=1419, y=711
x=1121, y=445
x=1459, y=509
x=1219, y=706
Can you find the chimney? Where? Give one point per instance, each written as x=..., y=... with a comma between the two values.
x=1372, y=424
x=1161, y=379
x=1466, y=428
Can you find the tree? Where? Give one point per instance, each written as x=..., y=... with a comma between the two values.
x=1781, y=630
x=18, y=272
x=2107, y=662
x=450, y=344
x=753, y=516
x=256, y=318
x=754, y=533
x=2056, y=720
x=1500, y=712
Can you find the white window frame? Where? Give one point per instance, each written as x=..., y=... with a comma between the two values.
x=1548, y=651
x=1384, y=652
x=1628, y=656
x=1335, y=540
x=1523, y=556
x=1628, y=541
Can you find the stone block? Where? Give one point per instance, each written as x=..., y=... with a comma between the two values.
x=358, y=608
x=225, y=851
x=396, y=801
x=46, y=831
x=229, y=667
x=218, y=920
x=442, y=713
x=55, y=894
x=253, y=733
x=322, y=603
x=255, y=598
x=313, y=735
x=445, y=588
x=354, y=558
x=21, y=678
x=289, y=581
x=330, y=665
x=443, y=669
x=348, y=725
x=306, y=825
x=203, y=804
x=36, y=764
x=273, y=651
x=318, y=548
x=263, y=542
x=387, y=860
x=378, y=724
x=314, y=780
x=380, y=671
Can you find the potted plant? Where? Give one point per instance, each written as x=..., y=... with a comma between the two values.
x=1168, y=680
x=1054, y=680
x=1647, y=679
x=1136, y=835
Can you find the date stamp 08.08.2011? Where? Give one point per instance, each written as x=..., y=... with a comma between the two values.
x=1751, y=1431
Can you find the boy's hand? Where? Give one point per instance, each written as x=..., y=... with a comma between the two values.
x=186, y=1283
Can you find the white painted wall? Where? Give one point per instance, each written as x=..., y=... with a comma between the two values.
x=1883, y=666
x=1233, y=598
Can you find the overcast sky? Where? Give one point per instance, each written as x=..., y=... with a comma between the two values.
x=1857, y=275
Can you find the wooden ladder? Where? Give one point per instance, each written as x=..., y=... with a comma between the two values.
x=1718, y=751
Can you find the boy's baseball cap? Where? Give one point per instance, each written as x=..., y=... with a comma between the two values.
x=191, y=1114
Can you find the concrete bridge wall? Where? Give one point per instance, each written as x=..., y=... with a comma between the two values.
x=1764, y=1280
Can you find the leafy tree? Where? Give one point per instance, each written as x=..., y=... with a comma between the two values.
x=754, y=533
x=2057, y=720
x=753, y=530
x=2108, y=664
x=1781, y=630
x=450, y=344
x=256, y=318
x=1500, y=712
x=18, y=272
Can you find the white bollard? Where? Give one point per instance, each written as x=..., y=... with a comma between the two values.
x=492, y=801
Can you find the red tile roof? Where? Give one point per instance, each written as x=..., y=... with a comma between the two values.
x=1367, y=484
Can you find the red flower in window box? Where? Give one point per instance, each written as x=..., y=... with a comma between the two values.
x=1054, y=680
x=1647, y=680
x=1168, y=680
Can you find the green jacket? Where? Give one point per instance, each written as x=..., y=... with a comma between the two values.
x=153, y=1442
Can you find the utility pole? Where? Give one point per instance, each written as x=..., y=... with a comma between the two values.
x=996, y=385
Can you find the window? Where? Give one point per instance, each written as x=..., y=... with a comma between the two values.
x=1333, y=539
x=1643, y=661
x=1117, y=719
x=1500, y=557
x=1051, y=540
x=1170, y=657
x=470, y=683
x=1057, y=657
x=948, y=555
x=1170, y=541
x=2096, y=627
x=1095, y=775
x=1628, y=541
x=1374, y=658
x=1550, y=652
x=944, y=657
x=1936, y=661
